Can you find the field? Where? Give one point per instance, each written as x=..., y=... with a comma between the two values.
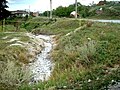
x=87, y=55
x=87, y=58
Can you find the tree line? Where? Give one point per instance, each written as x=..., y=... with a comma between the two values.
x=107, y=8
x=65, y=11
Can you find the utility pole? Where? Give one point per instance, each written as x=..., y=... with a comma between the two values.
x=3, y=25
x=47, y=14
x=50, y=9
x=75, y=8
x=29, y=9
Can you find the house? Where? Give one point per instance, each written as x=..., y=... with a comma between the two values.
x=101, y=3
x=19, y=13
x=34, y=14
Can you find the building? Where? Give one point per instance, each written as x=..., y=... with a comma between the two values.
x=35, y=14
x=19, y=13
x=101, y=3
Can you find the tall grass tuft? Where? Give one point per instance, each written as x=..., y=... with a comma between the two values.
x=87, y=51
x=13, y=76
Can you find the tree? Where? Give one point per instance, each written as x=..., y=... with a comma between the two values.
x=46, y=13
x=62, y=11
x=3, y=12
x=3, y=4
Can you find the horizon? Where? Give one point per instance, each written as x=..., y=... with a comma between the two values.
x=41, y=6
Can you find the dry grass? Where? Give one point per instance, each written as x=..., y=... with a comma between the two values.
x=12, y=76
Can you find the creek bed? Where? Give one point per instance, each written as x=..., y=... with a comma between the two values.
x=42, y=66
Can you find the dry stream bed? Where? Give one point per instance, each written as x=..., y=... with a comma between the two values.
x=42, y=66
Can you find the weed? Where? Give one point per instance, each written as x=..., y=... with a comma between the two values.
x=12, y=76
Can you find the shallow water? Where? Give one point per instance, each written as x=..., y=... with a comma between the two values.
x=43, y=66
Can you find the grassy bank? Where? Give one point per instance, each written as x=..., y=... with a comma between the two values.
x=87, y=58
x=12, y=57
x=17, y=49
x=13, y=52
x=87, y=55
x=61, y=26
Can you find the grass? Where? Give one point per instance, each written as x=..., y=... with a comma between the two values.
x=5, y=37
x=36, y=22
x=87, y=59
x=13, y=76
x=76, y=52
x=105, y=17
x=11, y=59
x=13, y=52
x=59, y=27
x=11, y=28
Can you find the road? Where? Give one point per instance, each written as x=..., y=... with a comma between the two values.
x=101, y=20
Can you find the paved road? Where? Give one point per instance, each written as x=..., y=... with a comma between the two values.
x=101, y=20
x=111, y=21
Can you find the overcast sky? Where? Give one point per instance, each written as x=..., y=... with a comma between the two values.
x=42, y=5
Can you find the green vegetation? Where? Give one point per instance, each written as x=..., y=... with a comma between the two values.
x=13, y=76
x=110, y=10
x=61, y=11
x=4, y=13
x=86, y=55
x=36, y=22
x=61, y=26
x=102, y=10
x=13, y=52
x=87, y=58
x=12, y=57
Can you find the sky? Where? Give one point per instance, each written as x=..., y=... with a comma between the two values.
x=43, y=5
